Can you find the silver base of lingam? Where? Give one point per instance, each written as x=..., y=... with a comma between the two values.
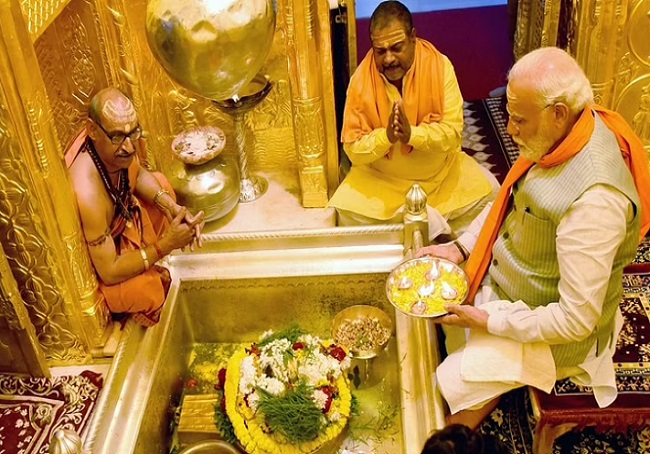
x=252, y=188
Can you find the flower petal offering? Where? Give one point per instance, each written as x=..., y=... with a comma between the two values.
x=199, y=145
x=288, y=393
x=434, y=283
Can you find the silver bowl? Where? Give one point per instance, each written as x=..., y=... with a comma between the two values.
x=360, y=314
x=422, y=287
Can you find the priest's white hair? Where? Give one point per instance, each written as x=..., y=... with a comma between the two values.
x=555, y=76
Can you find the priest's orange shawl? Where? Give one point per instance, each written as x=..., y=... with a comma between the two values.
x=369, y=108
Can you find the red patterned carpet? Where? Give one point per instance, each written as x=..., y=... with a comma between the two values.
x=32, y=409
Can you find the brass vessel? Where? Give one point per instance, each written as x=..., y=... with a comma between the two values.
x=211, y=186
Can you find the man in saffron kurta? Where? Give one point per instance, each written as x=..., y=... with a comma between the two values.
x=402, y=125
x=548, y=256
x=129, y=216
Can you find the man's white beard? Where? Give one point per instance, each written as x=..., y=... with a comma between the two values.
x=537, y=146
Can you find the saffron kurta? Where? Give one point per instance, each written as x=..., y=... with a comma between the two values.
x=382, y=172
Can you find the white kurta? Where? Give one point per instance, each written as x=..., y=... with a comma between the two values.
x=588, y=238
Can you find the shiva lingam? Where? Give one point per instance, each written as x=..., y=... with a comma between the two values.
x=251, y=186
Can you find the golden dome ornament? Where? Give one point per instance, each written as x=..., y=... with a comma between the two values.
x=211, y=47
x=65, y=441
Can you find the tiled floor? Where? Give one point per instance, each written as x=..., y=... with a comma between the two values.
x=366, y=7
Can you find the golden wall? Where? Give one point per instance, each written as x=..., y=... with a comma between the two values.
x=54, y=55
x=610, y=40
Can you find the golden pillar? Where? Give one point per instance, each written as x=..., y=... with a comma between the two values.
x=312, y=93
x=39, y=226
x=610, y=41
x=598, y=29
x=537, y=25
x=20, y=350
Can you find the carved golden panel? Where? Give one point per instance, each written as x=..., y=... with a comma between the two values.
x=30, y=255
x=40, y=13
x=70, y=63
x=637, y=32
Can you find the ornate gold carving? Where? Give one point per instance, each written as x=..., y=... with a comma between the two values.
x=70, y=67
x=632, y=85
x=11, y=307
x=598, y=41
x=641, y=120
x=34, y=267
x=40, y=13
x=308, y=120
x=521, y=30
x=33, y=109
x=627, y=69
x=305, y=44
x=551, y=20
x=184, y=116
x=314, y=186
x=71, y=72
x=637, y=32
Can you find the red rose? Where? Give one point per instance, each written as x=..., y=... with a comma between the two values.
x=221, y=379
x=328, y=391
x=298, y=346
x=337, y=352
x=192, y=383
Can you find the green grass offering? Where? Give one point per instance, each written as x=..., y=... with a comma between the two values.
x=294, y=415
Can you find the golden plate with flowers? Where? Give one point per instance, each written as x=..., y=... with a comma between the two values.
x=288, y=393
x=422, y=287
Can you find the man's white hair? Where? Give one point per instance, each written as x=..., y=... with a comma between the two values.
x=555, y=76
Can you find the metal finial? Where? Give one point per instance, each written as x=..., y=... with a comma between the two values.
x=416, y=200
x=66, y=441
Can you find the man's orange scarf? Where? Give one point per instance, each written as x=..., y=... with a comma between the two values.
x=633, y=153
x=368, y=108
